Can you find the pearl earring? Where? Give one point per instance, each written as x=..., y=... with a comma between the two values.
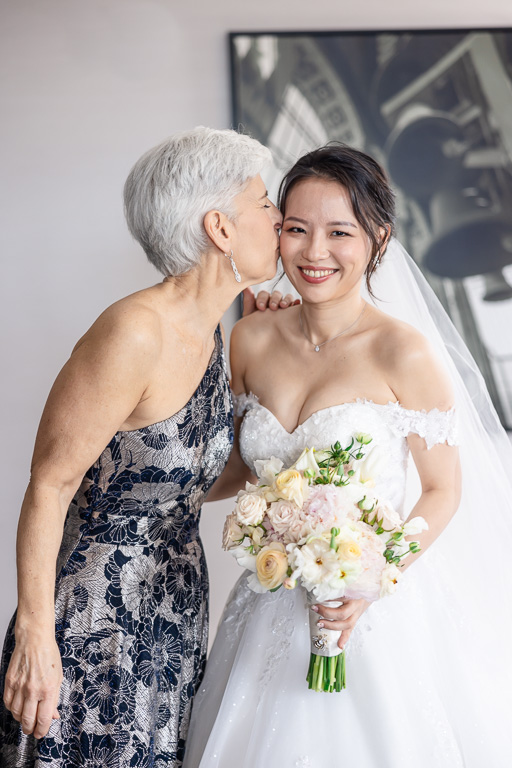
x=235, y=270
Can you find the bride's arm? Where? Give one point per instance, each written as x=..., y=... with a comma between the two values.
x=425, y=388
x=420, y=383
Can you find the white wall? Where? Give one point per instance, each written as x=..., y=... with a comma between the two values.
x=88, y=85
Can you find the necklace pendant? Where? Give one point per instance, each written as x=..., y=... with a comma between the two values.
x=317, y=348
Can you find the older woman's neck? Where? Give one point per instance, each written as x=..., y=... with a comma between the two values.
x=202, y=295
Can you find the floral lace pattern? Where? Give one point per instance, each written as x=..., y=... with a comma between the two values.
x=131, y=594
x=262, y=435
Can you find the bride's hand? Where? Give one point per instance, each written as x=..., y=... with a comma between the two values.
x=265, y=300
x=343, y=618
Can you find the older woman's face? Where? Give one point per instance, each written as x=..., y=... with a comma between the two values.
x=324, y=249
x=257, y=233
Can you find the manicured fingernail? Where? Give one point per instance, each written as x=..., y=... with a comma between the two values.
x=261, y=304
x=273, y=304
x=314, y=608
x=320, y=624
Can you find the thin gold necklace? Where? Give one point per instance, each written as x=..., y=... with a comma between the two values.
x=317, y=346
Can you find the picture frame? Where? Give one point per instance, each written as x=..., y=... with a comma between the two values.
x=435, y=108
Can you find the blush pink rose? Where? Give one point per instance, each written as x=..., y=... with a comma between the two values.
x=286, y=519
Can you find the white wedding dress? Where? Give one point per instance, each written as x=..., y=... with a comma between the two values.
x=423, y=689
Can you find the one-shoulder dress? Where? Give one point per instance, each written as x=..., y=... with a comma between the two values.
x=131, y=595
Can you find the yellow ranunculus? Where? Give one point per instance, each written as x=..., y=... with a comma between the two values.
x=349, y=550
x=289, y=486
x=272, y=565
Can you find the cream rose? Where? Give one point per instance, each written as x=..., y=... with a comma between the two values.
x=232, y=534
x=389, y=518
x=272, y=565
x=349, y=550
x=289, y=485
x=286, y=519
x=250, y=508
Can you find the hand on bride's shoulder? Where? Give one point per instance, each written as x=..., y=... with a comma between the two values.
x=414, y=371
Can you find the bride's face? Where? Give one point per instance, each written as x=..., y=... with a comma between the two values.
x=324, y=249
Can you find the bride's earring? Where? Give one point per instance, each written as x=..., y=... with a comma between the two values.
x=235, y=270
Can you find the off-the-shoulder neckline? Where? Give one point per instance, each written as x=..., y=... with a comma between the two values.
x=393, y=404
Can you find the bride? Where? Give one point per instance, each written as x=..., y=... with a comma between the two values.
x=428, y=684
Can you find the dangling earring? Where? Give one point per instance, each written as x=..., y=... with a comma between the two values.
x=235, y=270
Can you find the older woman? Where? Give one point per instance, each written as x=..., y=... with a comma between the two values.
x=113, y=627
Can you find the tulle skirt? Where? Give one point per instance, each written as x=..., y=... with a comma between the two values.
x=428, y=685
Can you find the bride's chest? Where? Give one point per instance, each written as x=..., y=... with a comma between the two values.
x=296, y=386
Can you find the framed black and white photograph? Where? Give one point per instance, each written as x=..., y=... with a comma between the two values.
x=435, y=108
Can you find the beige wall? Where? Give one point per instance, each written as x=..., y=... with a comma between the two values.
x=88, y=85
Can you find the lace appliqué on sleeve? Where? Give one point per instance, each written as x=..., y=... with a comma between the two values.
x=243, y=402
x=435, y=427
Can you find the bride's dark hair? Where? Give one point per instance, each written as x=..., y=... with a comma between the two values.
x=373, y=200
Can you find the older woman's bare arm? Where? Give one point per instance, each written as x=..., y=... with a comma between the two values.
x=93, y=395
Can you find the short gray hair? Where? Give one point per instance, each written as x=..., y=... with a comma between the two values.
x=172, y=187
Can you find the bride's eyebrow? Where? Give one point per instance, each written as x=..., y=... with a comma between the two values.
x=329, y=223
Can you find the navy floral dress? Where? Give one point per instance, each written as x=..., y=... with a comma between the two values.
x=132, y=594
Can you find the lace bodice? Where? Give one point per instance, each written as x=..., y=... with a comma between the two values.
x=263, y=436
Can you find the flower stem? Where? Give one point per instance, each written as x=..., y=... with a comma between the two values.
x=326, y=673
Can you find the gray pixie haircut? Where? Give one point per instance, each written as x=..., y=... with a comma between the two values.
x=172, y=187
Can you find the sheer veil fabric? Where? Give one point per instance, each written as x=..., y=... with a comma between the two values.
x=429, y=672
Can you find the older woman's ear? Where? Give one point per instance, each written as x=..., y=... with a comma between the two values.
x=219, y=230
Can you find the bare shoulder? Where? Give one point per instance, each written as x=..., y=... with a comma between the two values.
x=259, y=327
x=413, y=368
x=131, y=321
x=251, y=338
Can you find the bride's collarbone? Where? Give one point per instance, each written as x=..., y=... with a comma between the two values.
x=294, y=387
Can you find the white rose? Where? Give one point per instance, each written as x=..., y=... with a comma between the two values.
x=268, y=469
x=286, y=519
x=250, y=508
x=232, y=532
x=389, y=579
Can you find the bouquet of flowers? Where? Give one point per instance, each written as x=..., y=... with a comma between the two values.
x=319, y=523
